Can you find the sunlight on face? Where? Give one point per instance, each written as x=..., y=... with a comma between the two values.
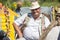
x=35, y=12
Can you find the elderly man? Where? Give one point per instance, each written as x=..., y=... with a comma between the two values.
x=35, y=23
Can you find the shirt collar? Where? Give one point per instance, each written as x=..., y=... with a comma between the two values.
x=40, y=16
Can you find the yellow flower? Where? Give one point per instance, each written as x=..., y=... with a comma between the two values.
x=14, y=4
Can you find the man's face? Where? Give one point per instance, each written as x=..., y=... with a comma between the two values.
x=18, y=5
x=58, y=20
x=35, y=12
x=0, y=5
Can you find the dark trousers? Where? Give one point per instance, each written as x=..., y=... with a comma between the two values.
x=5, y=38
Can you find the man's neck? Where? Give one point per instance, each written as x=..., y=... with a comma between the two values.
x=36, y=17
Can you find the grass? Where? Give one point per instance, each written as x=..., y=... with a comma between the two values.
x=50, y=4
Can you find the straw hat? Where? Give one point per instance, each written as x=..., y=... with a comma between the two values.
x=58, y=11
x=34, y=5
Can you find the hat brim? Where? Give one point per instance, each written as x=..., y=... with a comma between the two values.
x=58, y=10
x=58, y=14
x=34, y=7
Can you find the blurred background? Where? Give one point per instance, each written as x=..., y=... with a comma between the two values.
x=12, y=3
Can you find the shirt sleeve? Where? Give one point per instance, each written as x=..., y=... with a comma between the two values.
x=20, y=20
x=47, y=22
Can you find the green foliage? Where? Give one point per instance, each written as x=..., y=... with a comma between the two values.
x=12, y=4
x=49, y=0
x=8, y=3
x=50, y=4
x=26, y=3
